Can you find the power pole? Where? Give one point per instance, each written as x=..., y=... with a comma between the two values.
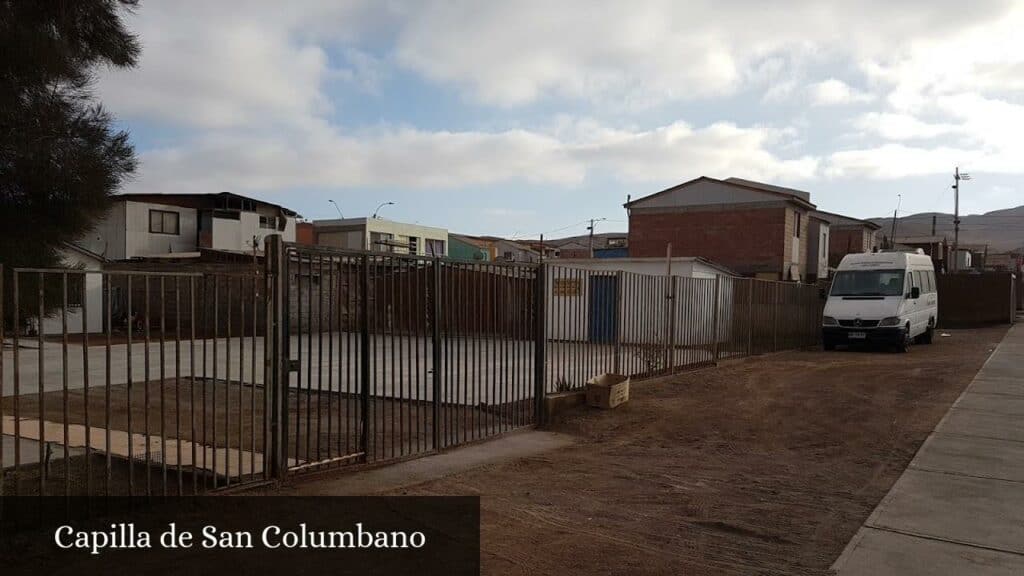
x=957, y=177
x=892, y=241
x=591, y=229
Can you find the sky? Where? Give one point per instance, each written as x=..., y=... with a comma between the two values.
x=526, y=117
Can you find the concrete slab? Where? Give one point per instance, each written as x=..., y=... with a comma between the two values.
x=878, y=552
x=997, y=403
x=972, y=456
x=984, y=424
x=1004, y=368
x=961, y=509
x=1013, y=386
x=509, y=447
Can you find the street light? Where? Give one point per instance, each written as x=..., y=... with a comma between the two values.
x=340, y=215
x=382, y=204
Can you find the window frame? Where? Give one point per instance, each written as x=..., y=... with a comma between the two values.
x=163, y=215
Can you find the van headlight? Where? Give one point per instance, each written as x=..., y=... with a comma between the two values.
x=828, y=321
x=890, y=321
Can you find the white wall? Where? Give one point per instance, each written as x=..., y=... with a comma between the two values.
x=107, y=238
x=237, y=235
x=642, y=289
x=93, y=293
x=141, y=242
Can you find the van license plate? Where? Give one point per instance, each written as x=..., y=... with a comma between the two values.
x=857, y=335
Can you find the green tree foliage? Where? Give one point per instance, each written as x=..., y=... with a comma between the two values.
x=60, y=158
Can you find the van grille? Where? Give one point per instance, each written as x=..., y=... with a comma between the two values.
x=858, y=323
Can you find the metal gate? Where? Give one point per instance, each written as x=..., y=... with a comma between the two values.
x=392, y=355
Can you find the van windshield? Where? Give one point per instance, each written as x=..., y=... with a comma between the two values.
x=868, y=283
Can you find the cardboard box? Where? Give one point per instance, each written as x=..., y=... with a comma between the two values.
x=608, y=391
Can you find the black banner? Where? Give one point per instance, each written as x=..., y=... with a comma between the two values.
x=240, y=535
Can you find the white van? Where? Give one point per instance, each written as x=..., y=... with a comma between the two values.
x=881, y=298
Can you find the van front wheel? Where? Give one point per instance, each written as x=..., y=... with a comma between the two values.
x=904, y=346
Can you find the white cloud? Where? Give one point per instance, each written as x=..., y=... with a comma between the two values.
x=833, y=92
x=245, y=90
x=410, y=158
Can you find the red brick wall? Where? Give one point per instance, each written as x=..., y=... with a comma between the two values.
x=843, y=242
x=304, y=234
x=748, y=241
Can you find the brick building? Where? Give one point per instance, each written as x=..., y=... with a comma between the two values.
x=848, y=236
x=753, y=228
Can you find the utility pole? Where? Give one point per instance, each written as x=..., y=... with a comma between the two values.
x=892, y=238
x=957, y=177
x=591, y=229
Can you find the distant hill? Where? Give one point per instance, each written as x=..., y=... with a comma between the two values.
x=1002, y=230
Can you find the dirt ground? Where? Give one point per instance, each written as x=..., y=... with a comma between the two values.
x=764, y=466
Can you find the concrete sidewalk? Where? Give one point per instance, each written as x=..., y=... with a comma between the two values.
x=959, y=506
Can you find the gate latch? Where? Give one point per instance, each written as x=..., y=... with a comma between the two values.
x=294, y=365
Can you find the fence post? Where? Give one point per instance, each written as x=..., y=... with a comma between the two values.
x=670, y=325
x=364, y=360
x=277, y=360
x=718, y=283
x=436, y=350
x=750, y=316
x=617, y=364
x=775, y=317
x=540, y=343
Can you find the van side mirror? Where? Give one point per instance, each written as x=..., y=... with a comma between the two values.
x=915, y=293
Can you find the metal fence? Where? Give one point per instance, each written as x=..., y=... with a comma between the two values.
x=324, y=358
x=643, y=325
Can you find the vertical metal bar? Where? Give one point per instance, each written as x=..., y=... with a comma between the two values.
x=436, y=339
x=16, y=317
x=277, y=354
x=330, y=351
x=145, y=408
x=241, y=375
x=309, y=363
x=539, y=342
x=364, y=361
x=163, y=364
x=3, y=282
x=216, y=345
x=64, y=380
x=42, y=397
x=775, y=317
x=109, y=320
x=319, y=349
x=390, y=345
x=85, y=379
x=254, y=289
x=227, y=382
x=192, y=381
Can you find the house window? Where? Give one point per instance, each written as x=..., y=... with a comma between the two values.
x=76, y=285
x=268, y=222
x=163, y=222
x=414, y=245
x=435, y=247
x=798, y=218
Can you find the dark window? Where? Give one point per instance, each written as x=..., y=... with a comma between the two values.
x=163, y=222
x=918, y=281
x=798, y=218
x=268, y=222
x=868, y=283
x=76, y=284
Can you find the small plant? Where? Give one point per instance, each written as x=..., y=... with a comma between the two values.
x=562, y=385
x=652, y=356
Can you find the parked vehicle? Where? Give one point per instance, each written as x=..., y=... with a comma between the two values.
x=885, y=298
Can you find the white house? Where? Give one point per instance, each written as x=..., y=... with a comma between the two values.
x=145, y=225
x=76, y=257
x=382, y=235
